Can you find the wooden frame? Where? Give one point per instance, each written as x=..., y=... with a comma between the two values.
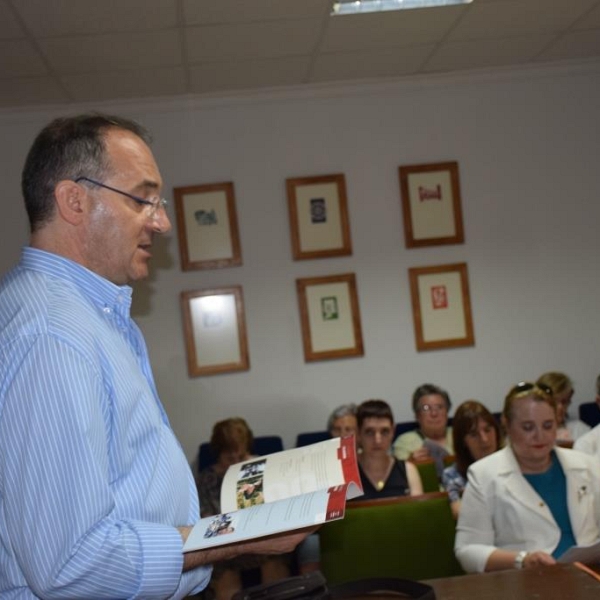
x=207, y=226
x=319, y=222
x=215, y=331
x=431, y=204
x=441, y=306
x=330, y=317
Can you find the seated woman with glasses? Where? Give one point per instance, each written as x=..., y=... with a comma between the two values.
x=381, y=474
x=562, y=389
x=526, y=504
x=433, y=438
x=476, y=434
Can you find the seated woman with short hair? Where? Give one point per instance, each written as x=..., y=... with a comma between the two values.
x=382, y=475
x=526, y=504
x=231, y=442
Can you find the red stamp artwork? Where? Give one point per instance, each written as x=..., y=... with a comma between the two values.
x=439, y=296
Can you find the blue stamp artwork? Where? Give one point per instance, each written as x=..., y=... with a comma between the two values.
x=206, y=217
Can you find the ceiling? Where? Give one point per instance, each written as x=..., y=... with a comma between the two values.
x=74, y=51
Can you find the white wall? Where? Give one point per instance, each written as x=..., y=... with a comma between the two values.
x=527, y=143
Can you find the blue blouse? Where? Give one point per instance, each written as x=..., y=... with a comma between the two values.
x=551, y=486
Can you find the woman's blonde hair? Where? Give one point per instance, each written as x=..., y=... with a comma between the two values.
x=536, y=391
x=556, y=381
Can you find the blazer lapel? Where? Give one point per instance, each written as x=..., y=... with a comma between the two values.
x=520, y=490
x=580, y=493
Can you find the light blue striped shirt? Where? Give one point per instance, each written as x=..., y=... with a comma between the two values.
x=92, y=479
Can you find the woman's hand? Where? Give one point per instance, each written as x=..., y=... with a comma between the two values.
x=420, y=454
x=537, y=559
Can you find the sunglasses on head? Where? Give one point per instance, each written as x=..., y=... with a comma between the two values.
x=525, y=386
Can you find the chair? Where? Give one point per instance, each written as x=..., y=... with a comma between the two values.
x=405, y=426
x=428, y=474
x=311, y=437
x=589, y=412
x=266, y=444
x=410, y=537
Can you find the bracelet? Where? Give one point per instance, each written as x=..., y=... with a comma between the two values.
x=520, y=559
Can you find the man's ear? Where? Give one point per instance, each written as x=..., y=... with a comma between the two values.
x=71, y=201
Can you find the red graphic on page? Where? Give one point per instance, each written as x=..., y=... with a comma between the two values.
x=347, y=455
x=336, y=504
x=439, y=296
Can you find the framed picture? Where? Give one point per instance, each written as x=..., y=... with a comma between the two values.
x=330, y=317
x=215, y=331
x=441, y=306
x=431, y=204
x=207, y=226
x=319, y=221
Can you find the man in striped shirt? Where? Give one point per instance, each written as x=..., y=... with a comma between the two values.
x=96, y=495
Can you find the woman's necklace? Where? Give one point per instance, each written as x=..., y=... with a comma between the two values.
x=379, y=482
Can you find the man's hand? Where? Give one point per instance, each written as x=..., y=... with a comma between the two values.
x=272, y=544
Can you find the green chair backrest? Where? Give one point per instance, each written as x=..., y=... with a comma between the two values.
x=429, y=476
x=410, y=537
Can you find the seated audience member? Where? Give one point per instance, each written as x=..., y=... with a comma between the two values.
x=568, y=430
x=476, y=434
x=342, y=421
x=433, y=438
x=592, y=411
x=526, y=504
x=382, y=475
x=231, y=442
x=589, y=442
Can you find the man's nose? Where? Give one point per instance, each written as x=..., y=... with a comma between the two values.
x=161, y=222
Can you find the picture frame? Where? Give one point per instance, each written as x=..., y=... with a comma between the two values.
x=431, y=204
x=207, y=226
x=319, y=221
x=330, y=317
x=215, y=331
x=441, y=305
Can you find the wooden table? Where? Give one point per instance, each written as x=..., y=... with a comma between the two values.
x=558, y=582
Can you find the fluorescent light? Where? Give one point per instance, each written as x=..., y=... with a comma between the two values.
x=351, y=7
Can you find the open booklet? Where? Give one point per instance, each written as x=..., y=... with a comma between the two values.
x=588, y=555
x=281, y=492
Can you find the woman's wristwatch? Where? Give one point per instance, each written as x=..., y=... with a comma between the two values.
x=520, y=559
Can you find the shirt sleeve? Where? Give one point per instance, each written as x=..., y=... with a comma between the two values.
x=406, y=444
x=60, y=514
x=474, y=530
x=588, y=442
x=453, y=483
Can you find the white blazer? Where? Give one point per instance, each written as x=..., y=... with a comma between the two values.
x=500, y=509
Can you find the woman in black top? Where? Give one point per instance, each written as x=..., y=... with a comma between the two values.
x=381, y=474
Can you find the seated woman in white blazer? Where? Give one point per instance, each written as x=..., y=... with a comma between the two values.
x=529, y=502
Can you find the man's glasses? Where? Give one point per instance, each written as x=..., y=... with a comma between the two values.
x=427, y=408
x=151, y=206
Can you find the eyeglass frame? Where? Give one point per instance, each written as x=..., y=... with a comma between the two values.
x=160, y=202
x=428, y=408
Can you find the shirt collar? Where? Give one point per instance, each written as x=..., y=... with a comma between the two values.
x=97, y=289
